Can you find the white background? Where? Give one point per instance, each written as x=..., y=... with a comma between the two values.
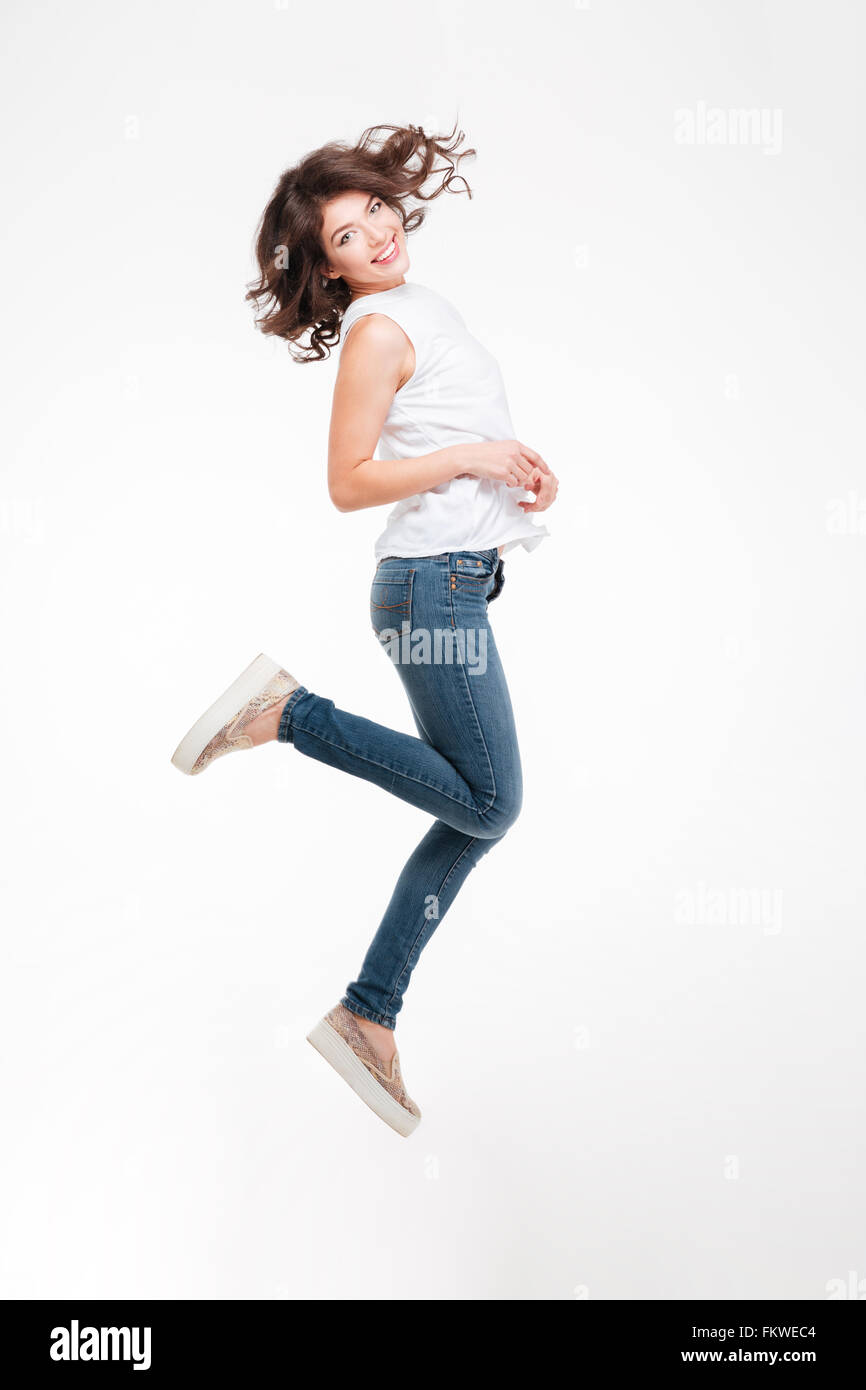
x=637, y=1038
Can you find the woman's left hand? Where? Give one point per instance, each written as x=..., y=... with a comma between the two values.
x=545, y=486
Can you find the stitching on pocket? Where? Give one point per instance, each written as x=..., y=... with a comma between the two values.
x=393, y=614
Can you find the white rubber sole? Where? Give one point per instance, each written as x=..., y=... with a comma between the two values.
x=224, y=710
x=327, y=1041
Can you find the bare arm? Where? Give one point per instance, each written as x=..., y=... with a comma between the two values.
x=375, y=360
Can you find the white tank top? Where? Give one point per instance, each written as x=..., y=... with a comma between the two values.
x=456, y=395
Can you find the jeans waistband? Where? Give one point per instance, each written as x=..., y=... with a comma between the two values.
x=453, y=560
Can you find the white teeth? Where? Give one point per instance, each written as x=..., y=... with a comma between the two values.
x=386, y=253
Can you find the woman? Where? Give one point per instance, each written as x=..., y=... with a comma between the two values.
x=332, y=254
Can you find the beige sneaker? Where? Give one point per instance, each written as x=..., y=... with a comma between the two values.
x=221, y=728
x=342, y=1043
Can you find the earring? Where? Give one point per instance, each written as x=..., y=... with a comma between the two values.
x=324, y=282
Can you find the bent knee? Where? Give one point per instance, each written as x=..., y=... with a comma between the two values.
x=500, y=816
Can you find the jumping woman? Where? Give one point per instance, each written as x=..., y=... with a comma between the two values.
x=413, y=382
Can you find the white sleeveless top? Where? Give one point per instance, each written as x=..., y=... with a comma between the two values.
x=456, y=395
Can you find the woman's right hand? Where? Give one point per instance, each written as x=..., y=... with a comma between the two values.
x=502, y=460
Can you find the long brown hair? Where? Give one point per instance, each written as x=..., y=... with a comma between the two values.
x=288, y=244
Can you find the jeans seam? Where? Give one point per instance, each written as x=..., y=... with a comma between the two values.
x=480, y=735
x=440, y=791
x=372, y=1016
x=442, y=885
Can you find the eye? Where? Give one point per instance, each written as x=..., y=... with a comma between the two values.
x=374, y=206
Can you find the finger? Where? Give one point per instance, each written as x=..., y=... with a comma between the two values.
x=518, y=458
x=543, y=498
x=533, y=456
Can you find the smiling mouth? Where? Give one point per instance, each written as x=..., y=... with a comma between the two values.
x=389, y=253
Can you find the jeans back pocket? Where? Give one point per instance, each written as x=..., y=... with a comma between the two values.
x=391, y=600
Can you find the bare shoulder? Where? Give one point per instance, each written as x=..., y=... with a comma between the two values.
x=377, y=341
x=375, y=332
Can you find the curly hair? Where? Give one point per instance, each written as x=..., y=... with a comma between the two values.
x=288, y=247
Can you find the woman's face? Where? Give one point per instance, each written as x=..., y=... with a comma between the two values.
x=363, y=241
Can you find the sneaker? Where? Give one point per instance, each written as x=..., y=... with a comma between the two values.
x=342, y=1043
x=221, y=728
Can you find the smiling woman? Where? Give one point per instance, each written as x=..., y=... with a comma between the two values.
x=362, y=185
x=369, y=245
x=415, y=382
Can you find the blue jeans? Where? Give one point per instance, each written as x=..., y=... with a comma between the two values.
x=429, y=613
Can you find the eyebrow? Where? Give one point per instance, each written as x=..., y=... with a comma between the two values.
x=351, y=224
